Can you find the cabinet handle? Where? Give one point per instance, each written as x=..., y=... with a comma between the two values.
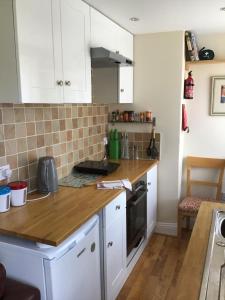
x=110, y=244
x=68, y=83
x=149, y=183
x=59, y=82
x=117, y=207
x=121, y=90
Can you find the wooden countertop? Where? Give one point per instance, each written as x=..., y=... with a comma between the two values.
x=53, y=219
x=189, y=281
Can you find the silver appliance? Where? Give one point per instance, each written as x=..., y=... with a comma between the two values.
x=47, y=179
x=104, y=58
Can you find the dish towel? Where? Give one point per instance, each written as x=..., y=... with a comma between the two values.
x=184, y=119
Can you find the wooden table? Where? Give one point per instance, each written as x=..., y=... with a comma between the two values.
x=53, y=219
x=189, y=282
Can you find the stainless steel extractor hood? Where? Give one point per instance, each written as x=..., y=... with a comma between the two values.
x=103, y=58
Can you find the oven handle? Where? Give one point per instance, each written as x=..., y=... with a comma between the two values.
x=135, y=203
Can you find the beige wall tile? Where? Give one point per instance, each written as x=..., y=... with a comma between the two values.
x=29, y=114
x=48, y=126
x=12, y=161
x=30, y=128
x=40, y=141
x=1, y=133
x=49, y=130
x=10, y=147
x=22, y=159
x=22, y=145
x=40, y=127
x=48, y=113
x=8, y=116
x=31, y=142
x=21, y=130
x=39, y=114
x=19, y=115
x=55, y=113
x=2, y=149
x=9, y=131
x=32, y=156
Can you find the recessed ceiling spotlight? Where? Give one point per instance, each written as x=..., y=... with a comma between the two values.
x=222, y=8
x=134, y=19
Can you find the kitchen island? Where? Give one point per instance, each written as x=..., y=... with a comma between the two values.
x=52, y=219
x=190, y=278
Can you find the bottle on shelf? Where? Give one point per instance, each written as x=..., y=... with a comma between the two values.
x=126, y=146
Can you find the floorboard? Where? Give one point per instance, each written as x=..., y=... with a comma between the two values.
x=155, y=275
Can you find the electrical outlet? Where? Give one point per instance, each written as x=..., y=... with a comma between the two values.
x=5, y=172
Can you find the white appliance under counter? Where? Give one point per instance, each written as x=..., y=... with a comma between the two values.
x=69, y=271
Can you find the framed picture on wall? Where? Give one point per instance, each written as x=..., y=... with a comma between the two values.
x=218, y=96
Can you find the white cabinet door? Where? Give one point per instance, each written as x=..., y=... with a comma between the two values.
x=115, y=247
x=126, y=85
x=39, y=69
x=151, y=200
x=75, y=21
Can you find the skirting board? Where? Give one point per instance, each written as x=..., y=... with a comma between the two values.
x=166, y=228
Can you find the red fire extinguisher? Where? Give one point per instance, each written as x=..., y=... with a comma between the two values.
x=189, y=86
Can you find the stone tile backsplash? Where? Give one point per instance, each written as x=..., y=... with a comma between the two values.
x=141, y=141
x=69, y=132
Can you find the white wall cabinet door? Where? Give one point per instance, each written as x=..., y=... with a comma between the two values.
x=75, y=20
x=50, y=53
x=38, y=65
x=151, y=200
x=126, y=85
x=115, y=246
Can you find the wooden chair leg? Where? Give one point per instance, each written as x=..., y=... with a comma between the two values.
x=179, y=225
x=188, y=222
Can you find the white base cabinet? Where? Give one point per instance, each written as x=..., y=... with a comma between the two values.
x=151, y=200
x=48, y=53
x=114, y=246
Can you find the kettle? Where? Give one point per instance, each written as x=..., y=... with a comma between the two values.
x=47, y=179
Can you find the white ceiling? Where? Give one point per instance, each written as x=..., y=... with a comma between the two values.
x=201, y=16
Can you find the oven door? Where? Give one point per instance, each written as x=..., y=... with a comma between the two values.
x=136, y=219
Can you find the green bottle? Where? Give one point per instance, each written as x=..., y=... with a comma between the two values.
x=114, y=144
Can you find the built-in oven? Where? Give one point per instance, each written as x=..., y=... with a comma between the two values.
x=136, y=215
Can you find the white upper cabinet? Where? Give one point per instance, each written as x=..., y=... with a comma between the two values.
x=105, y=33
x=50, y=40
x=75, y=20
x=126, y=85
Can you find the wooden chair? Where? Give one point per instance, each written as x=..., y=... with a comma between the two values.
x=189, y=206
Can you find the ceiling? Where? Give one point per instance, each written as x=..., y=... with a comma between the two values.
x=201, y=16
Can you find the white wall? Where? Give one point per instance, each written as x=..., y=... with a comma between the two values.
x=158, y=85
x=207, y=133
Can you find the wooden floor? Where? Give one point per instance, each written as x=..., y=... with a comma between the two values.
x=156, y=273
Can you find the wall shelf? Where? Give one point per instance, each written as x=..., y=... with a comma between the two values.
x=130, y=122
x=188, y=64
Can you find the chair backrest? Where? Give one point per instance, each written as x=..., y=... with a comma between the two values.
x=205, y=163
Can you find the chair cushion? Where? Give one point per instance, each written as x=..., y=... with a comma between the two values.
x=15, y=290
x=192, y=204
x=2, y=280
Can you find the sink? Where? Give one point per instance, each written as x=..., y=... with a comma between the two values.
x=213, y=280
